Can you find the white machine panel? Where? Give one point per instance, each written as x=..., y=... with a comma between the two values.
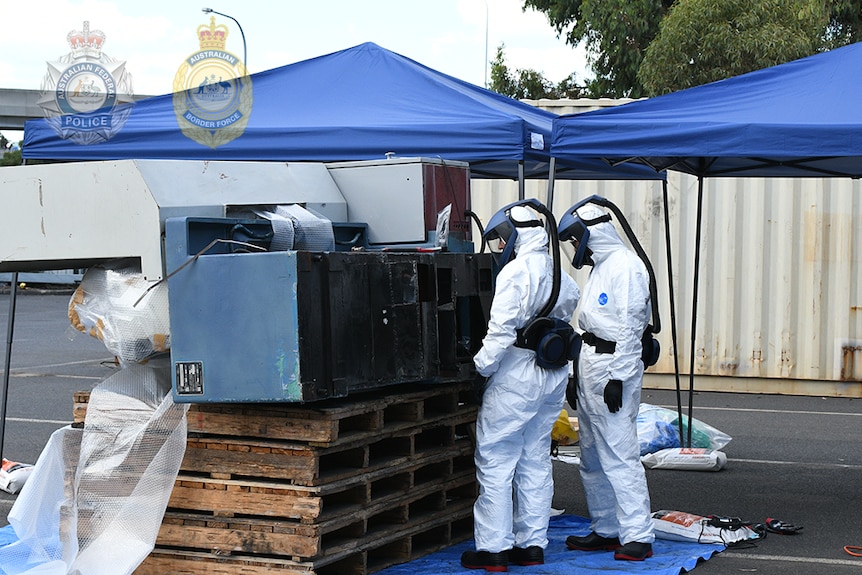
x=60, y=216
x=65, y=215
x=389, y=195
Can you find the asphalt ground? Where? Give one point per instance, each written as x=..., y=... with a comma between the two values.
x=50, y=362
x=798, y=459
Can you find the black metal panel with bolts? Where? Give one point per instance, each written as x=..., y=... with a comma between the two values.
x=372, y=319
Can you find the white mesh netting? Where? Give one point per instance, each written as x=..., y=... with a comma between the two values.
x=298, y=228
x=96, y=498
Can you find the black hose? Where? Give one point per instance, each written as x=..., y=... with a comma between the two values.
x=554, y=247
x=472, y=215
x=653, y=287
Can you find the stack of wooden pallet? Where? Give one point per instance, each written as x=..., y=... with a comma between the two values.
x=80, y=399
x=346, y=486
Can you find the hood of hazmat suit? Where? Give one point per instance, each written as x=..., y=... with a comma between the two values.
x=616, y=301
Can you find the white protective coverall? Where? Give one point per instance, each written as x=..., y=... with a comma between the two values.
x=520, y=403
x=615, y=306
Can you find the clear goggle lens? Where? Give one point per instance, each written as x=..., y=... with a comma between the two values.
x=569, y=248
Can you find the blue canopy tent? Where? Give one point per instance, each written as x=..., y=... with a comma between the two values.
x=355, y=104
x=798, y=119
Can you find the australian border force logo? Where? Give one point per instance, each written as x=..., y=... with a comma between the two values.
x=212, y=91
x=86, y=95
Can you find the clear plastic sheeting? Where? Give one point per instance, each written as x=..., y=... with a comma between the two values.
x=97, y=496
x=114, y=303
x=658, y=428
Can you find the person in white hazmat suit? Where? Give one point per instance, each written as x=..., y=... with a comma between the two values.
x=615, y=310
x=520, y=402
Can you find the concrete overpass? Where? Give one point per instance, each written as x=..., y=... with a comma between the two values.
x=18, y=106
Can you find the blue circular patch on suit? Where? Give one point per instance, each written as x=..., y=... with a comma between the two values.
x=603, y=298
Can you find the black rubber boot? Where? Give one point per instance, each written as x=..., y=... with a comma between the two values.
x=633, y=551
x=592, y=542
x=494, y=562
x=532, y=555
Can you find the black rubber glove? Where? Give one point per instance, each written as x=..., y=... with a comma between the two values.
x=614, y=395
x=572, y=392
x=480, y=382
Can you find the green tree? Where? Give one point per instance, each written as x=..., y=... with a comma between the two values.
x=706, y=40
x=617, y=34
x=9, y=157
x=529, y=84
x=845, y=23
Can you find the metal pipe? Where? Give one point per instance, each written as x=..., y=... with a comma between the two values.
x=698, y=228
x=521, y=183
x=552, y=172
x=673, y=334
x=10, y=330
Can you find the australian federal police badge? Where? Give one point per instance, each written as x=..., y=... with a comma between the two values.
x=86, y=95
x=212, y=91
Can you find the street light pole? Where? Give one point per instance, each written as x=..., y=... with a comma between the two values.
x=486, y=43
x=244, y=53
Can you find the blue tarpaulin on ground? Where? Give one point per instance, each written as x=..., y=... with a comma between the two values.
x=7, y=536
x=670, y=557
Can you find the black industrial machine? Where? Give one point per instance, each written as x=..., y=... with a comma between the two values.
x=285, y=282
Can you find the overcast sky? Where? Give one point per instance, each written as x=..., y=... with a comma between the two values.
x=154, y=36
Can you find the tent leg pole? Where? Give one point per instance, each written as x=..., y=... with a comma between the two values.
x=699, y=228
x=552, y=169
x=10, y=330
x=672, y=296
x=521, y=185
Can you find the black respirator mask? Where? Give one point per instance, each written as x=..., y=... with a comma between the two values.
x=554, y=341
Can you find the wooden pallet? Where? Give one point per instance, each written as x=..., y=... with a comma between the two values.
x=378, y=479
x=80, y=399
x=322, y=542
x=304, y=464
x=390, y=547
x=325, y=423
x=271, y=498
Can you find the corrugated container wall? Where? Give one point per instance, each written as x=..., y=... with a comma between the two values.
x=779, y=302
